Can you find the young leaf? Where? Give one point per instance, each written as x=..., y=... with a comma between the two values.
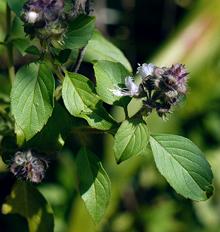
x=79, y=32
x=18, y=37
x=32, y=98
x=100, y=48
x=183, y=165
x=131, y=139
x=26, y=201
x=94, y=184
x=16, y=5
x=81, y=101
x=109, y=75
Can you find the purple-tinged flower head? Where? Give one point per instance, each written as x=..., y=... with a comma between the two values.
x=180, y=73
x=42, y=10
x=161, y=87
x=27, y=166
x=44, y=19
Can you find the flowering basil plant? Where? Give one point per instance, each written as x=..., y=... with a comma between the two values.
x=50, y=102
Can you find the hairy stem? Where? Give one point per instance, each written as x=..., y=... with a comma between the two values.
x=11, y=69
x=79, y=59
x=88, y=8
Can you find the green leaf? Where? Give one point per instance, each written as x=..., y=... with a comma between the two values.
x=131, y=139
x=21, y=45
x=26, y=201
x=18, y=36
x=16, y=5
x=109, y=75
x=100, y=48
x=94, y=184
x=64, y=55
x=183, y=165
x=33, y=50
x=50, y=138
x=81, y=101
x=79, y=32
x=32, y=98
x=17, y=29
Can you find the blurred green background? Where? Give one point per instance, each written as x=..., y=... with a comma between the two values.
x=163, y=32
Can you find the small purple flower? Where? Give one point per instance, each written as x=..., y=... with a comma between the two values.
x=179, y=71
x=179, y=74
x=43, y=10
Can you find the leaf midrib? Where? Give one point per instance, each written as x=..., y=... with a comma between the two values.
x=178, y=163
x=78, y=92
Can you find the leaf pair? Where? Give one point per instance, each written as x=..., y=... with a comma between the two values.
x=179, y=160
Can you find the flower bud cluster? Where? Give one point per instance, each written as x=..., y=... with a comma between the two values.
x=27, y=166
x=160, y=88
x=45, y=19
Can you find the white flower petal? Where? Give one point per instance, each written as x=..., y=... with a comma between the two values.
x=118, y=92
x=131, y=86
x=146, y=70
x=32, y=17
x=131, y=89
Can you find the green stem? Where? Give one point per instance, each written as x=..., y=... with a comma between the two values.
x=126, y=112
x=11, y=69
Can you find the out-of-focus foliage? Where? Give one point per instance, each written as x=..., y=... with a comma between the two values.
x=29, y=203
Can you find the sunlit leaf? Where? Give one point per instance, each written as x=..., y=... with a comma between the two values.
x=81, y=100
x=100, y=48
x=183, y=165
x=131, y=139
x=32, y=98
x=110, y=75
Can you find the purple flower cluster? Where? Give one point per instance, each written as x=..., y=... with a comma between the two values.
x=44, y=19
x=160, y=88
x=26, y=165
x=43, y=11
